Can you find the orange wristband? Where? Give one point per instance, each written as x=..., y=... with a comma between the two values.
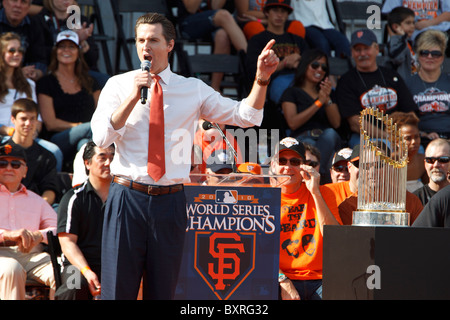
x=318, y=103
x=83, y=270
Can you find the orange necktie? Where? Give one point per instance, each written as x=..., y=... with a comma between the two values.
x=156, y=166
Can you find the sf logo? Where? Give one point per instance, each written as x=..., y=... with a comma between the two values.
x=227, y=262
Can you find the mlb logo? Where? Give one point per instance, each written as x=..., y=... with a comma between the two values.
x=226, y=196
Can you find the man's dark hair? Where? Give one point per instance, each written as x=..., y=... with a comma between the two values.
x=89, y=152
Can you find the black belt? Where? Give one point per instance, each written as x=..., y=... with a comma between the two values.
x=147, y=188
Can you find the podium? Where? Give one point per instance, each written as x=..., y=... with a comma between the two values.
x=232, y=241
x=386, y=263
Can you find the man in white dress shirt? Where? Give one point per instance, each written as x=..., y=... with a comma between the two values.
x=145, y=220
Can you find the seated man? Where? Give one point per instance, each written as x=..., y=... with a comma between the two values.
x=80, y=223
x=41, y=175
x=368, y=85
x=339, y=171
x=305, y=208
x=437, y=165
x=25, y=219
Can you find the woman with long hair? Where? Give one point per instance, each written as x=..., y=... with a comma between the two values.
x=67, y=96
x=13, y=86
x=310, y=113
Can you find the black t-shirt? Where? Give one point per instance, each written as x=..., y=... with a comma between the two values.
x=437, y=211
x=383, y=89
x=285, y=44
x=80, y=212
x=424, y=194
x=77, y=107
x=303, y=101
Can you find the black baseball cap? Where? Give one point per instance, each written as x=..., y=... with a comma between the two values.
x=13, y=150
x=278, y=3
x=293, y=144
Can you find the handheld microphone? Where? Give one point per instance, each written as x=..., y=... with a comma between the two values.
x=145, y=66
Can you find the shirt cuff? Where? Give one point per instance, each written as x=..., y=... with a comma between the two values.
x=250, y=114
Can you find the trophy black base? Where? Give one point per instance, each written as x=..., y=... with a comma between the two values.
x=386, y=263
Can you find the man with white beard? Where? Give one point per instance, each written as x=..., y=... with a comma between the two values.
x=437, y=165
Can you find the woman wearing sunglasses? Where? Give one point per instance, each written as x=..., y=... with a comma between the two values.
x=14, y=86
x=308, y=109
x=430, y=87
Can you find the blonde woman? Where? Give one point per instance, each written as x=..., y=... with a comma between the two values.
x=430, y=87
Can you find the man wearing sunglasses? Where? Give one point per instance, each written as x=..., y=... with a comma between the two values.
x=305, y=208
x=25, y=219
x=368, y=85
x=437, y=165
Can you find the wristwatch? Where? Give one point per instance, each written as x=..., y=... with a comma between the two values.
x=281, y=277
x=262, y=82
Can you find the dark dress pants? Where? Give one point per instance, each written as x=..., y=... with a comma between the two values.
x=143, y=237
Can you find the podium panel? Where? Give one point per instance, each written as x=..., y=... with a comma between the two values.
x=386, y=263
x=232, y=244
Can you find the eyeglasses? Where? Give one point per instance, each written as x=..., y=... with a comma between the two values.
x=434, y=53
x=316, y=65
x=340, y=168
x=14, y=50
x=432, y=160
x=293, y=161
x=311, y=163
x=15, y=164
x=355, y=163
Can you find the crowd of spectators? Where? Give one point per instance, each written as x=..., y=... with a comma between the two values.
x=50, y=84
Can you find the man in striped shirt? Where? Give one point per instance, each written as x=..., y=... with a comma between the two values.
x=80, y=223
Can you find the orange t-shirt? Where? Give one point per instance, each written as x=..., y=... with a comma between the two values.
x=413, y=206
x=301, y=242
x=341, y=190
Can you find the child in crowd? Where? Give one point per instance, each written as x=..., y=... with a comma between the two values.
x=399, y=46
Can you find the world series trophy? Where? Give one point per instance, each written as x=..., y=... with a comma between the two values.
x=383, y=162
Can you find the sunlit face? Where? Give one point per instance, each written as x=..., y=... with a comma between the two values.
x=412, y=139
x=11, y=177
x=339, y=172
x=289, y=169
x=152, y=45
x=429, y=62
x=315, y=72
x=25, y=123
x=99, y=164
x=365, y=57
x=67, y=52
x=437, y=171
x=13, y=54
